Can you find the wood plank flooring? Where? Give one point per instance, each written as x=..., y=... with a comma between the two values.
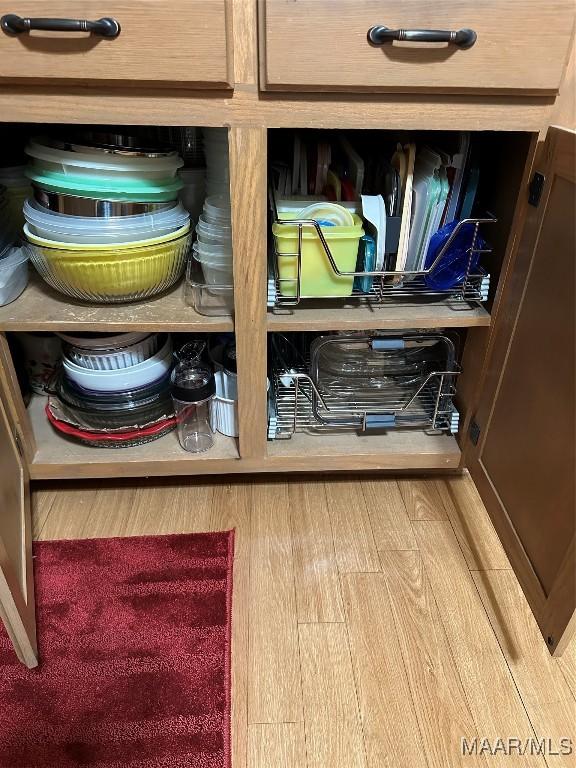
x=376, y=622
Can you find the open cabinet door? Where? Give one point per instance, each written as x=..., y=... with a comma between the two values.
x=523, y=460
x=17, y=607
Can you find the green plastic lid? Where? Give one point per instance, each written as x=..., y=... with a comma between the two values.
x=95, y=187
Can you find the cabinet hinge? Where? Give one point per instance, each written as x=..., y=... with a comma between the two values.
x=535, y=189
x=474, y=432
x=18, y=443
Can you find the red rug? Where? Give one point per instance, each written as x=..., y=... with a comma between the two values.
x=134, y=638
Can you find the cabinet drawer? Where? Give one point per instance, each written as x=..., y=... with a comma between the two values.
x=184, y=41
x=521, y=45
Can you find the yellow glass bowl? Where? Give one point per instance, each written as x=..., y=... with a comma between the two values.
x=112, y=274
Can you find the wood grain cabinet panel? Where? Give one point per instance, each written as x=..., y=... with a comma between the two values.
x=521, y=46
x=183, y=42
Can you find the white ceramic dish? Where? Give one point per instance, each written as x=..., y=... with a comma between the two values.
x=104, y=341
x=128, y=378
x=128, y=356
x=224, y=412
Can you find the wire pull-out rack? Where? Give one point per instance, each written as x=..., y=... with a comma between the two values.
x=363, y=383
x=386, y=286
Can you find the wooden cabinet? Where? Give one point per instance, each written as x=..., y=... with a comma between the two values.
x=322, y=45
x=17, y=608
x=184, y=43
x=518, y=387
x=525, y=457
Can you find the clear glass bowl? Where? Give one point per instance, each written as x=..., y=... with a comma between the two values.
x=115, y=274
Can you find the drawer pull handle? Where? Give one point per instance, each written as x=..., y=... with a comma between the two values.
x=464, y=38
x=16, y=25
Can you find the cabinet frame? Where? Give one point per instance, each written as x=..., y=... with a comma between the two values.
x=248, y=113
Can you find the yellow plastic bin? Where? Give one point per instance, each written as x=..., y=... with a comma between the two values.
x=317, y=278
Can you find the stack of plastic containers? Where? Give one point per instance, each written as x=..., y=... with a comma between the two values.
x=104, y=223
x=217, y=161
x=213, y=247
x=13, y=259
x=17, y=190
x=209, y=283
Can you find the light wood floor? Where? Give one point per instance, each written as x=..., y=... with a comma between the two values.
x=376, y=622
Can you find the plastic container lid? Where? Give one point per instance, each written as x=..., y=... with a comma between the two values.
x=104, y=161
x=192, y=383
x=90, y=229
x=218, y=206
x=329, y=212
x=99, y=188
x=288, y=230
x=208, y=255
x=47, y=243
x=210, y=228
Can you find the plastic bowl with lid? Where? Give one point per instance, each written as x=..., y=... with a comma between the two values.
x=64, y=228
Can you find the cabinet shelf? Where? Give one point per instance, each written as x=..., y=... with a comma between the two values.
x=402, y=449
x=57, y=457
x=40, y=308
x=323, y=317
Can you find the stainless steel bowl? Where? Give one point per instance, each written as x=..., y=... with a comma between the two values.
x=108, y=142
x=86, y=206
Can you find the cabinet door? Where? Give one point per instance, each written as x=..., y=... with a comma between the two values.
x=524, y=460
x=17, y=608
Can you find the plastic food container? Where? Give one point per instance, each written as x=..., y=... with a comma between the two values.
x=210, y=300
x=217, y=209
x=193, y=192
x=126, y=378
x=213, y=234
x=317, y=278
x=13, y=274
x=109, y=274
x=217, y=252
x=217, y=270
x=217, y=274
x=89, y=230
